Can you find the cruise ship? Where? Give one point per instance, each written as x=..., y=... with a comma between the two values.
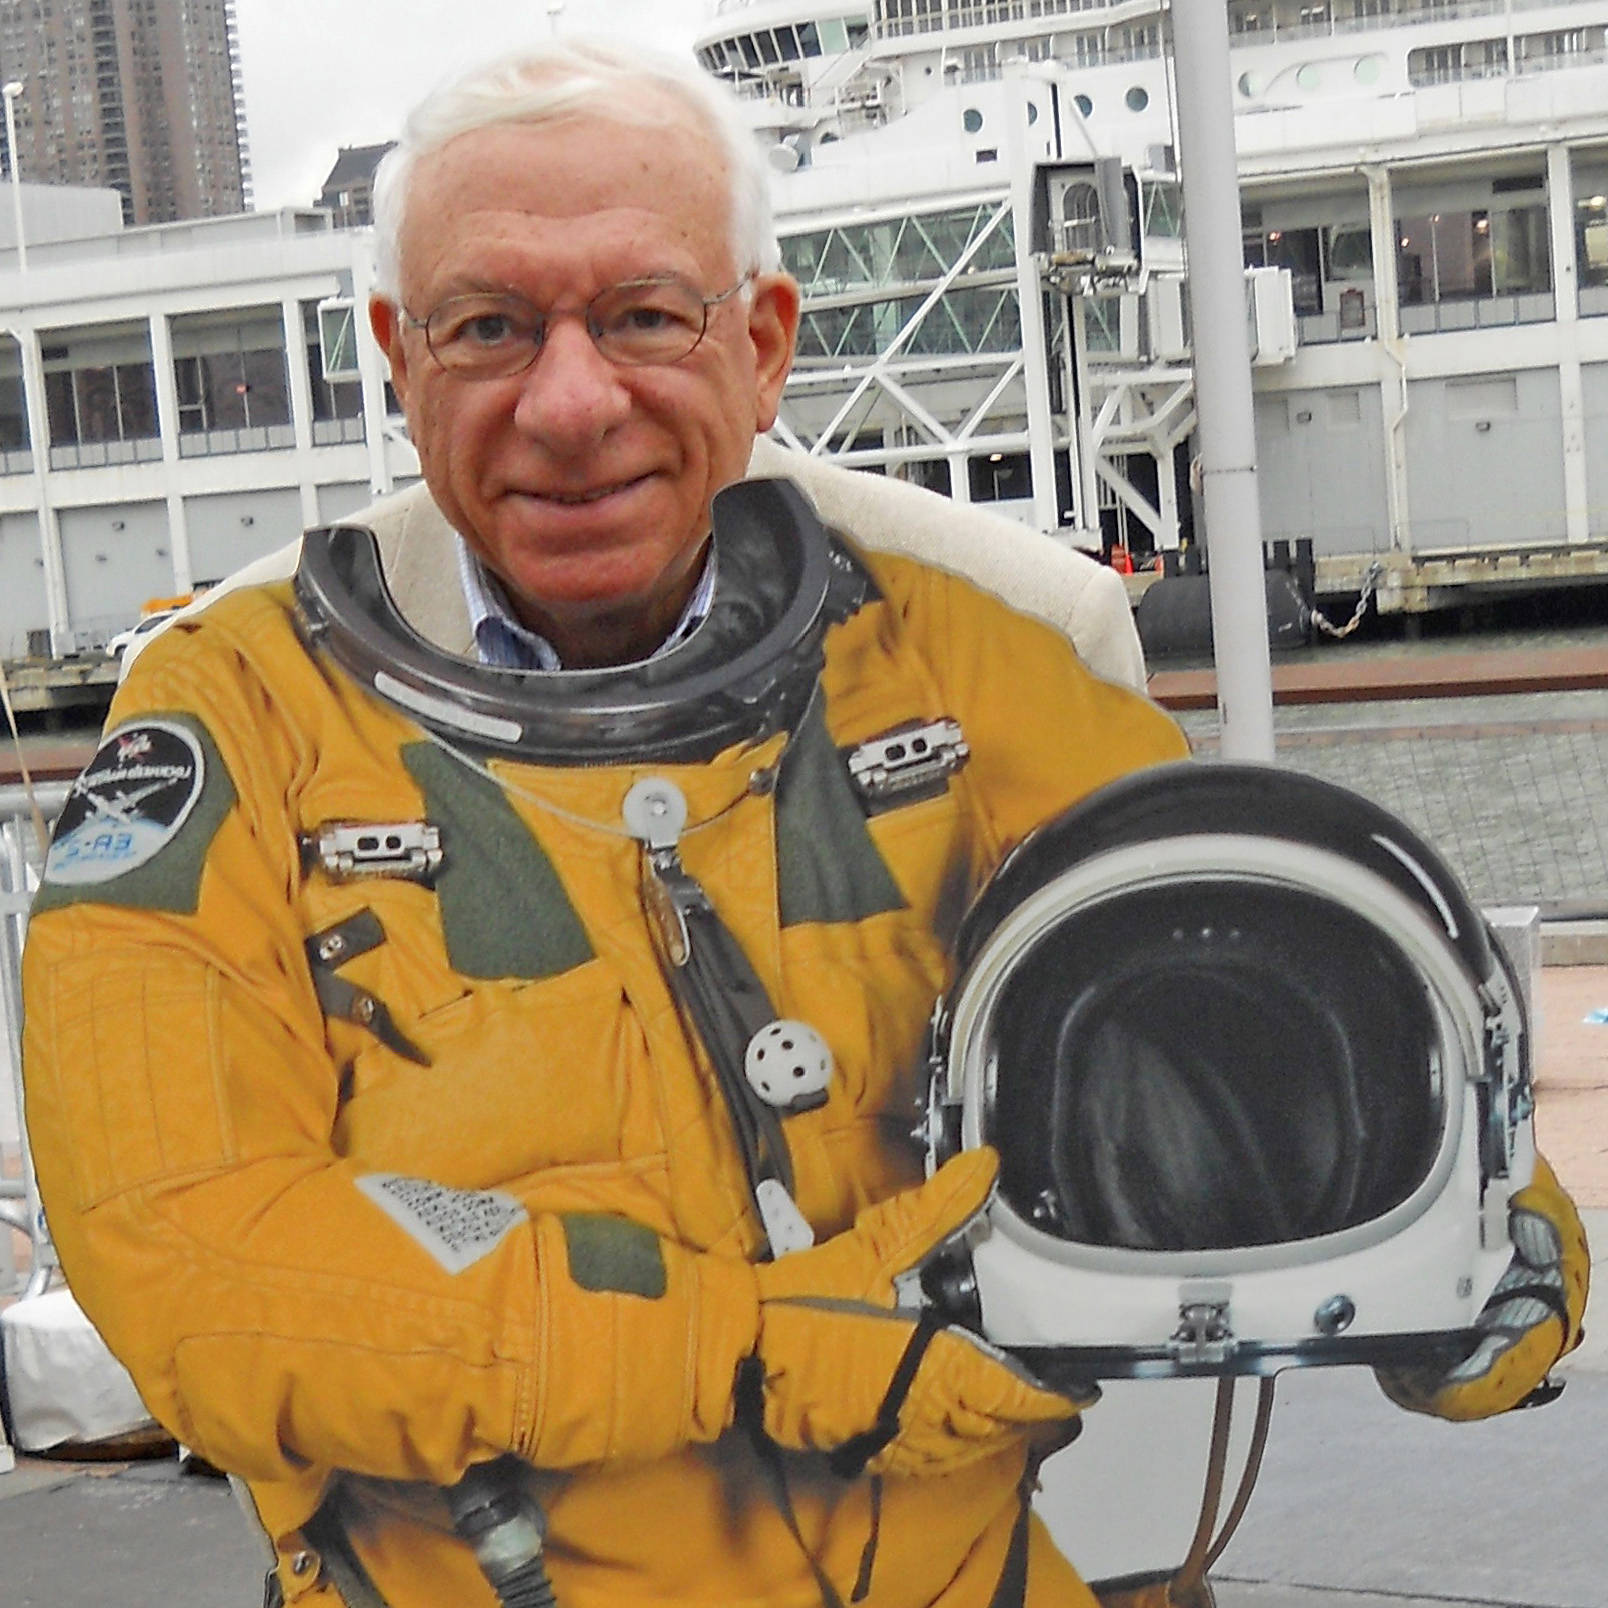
x=1424, y=203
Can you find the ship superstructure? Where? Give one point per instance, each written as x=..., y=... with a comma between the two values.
x=1426, y=185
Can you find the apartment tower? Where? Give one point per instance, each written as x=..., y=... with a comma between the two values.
x=143, y=96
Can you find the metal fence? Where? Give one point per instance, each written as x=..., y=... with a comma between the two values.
x=20, y=858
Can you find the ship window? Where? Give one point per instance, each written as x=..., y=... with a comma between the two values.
x=1453, y=255
x=1137, y=98
x=1295, y=249
x=1450, y=64
x=809, y=38
x=766, y=41
x=972, y=120
x=1084, y=105
x=1347, y=252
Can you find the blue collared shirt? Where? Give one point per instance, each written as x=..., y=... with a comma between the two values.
x=503, y=640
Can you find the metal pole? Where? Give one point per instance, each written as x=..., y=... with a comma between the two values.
x=11, y=92
x=1216, y=282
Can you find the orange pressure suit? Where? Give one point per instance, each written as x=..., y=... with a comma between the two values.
x=369, y=1179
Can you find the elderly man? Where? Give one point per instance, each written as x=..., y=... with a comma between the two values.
x=471, y=1088
x=395, y=1015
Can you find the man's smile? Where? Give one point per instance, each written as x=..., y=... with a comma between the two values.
x=579, y=499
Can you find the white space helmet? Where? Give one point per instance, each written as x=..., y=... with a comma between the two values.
x=1259, y=1078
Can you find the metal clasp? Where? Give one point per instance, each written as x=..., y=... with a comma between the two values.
x=349, y=851
x=1203, y=1336
x=911, y=757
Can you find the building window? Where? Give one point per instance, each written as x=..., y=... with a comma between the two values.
x=13, y=404
x=1591, y=229
x=233, y=386
x=100, y=386
x=332, y=399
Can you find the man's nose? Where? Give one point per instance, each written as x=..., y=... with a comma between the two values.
x=571, y=395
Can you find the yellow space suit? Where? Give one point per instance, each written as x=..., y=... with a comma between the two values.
x=377, y=1145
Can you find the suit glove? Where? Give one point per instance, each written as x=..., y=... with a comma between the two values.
x=837, y=1369
x=641, y=1342
x=1532, y=1318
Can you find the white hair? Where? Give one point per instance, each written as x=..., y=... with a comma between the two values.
x=549, y=81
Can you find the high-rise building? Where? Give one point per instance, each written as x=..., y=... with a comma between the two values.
x=143, y=96
x=349, y=190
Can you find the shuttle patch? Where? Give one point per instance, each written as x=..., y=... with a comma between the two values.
x=154, y=785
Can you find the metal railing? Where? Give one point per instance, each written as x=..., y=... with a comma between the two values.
x=20, y=1212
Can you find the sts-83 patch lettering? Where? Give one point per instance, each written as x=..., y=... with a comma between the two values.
x=129, y=804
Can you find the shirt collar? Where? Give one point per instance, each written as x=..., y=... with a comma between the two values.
x=502, y=639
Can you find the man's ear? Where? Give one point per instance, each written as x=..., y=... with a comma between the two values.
x=773, y=314
x=385, y=319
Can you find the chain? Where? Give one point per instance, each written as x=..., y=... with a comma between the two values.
x=1370, y=583
x=762, y=781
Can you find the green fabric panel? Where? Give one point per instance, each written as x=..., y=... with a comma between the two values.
x=827, y=867
x=503, y=909
x=171, y=879
x=611, y=1255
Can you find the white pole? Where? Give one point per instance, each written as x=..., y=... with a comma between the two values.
x=11, y=92
x=1223, y=378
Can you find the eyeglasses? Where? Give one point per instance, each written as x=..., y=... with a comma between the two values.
x=639, y=323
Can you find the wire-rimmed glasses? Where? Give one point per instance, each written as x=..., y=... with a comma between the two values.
x=492, y=335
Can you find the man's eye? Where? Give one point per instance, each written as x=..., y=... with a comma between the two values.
x=658, y=311
x=485, y=329
x=645, y=317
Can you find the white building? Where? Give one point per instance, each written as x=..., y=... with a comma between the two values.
x=197, y=412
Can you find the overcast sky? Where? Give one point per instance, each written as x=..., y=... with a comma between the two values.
x=321, y=74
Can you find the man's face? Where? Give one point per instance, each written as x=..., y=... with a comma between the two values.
x=585, y=484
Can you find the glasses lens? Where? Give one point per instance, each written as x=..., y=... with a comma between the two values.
x=484, y=336
x=647, y=321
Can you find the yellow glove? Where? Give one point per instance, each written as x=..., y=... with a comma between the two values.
x=1532, y=1318
x=642, y=1341
x=839, y=1371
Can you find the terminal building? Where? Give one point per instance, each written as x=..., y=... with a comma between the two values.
x=175, y=401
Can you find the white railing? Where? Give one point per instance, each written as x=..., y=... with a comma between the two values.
x=21, y=856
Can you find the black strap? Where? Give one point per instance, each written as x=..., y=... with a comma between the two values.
x=327, y=1536
x=1011, y=1592
x=331, y=949
x=750, y=1404
x=1549, y=1295
x=848, y=1460
x=868, y=1553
